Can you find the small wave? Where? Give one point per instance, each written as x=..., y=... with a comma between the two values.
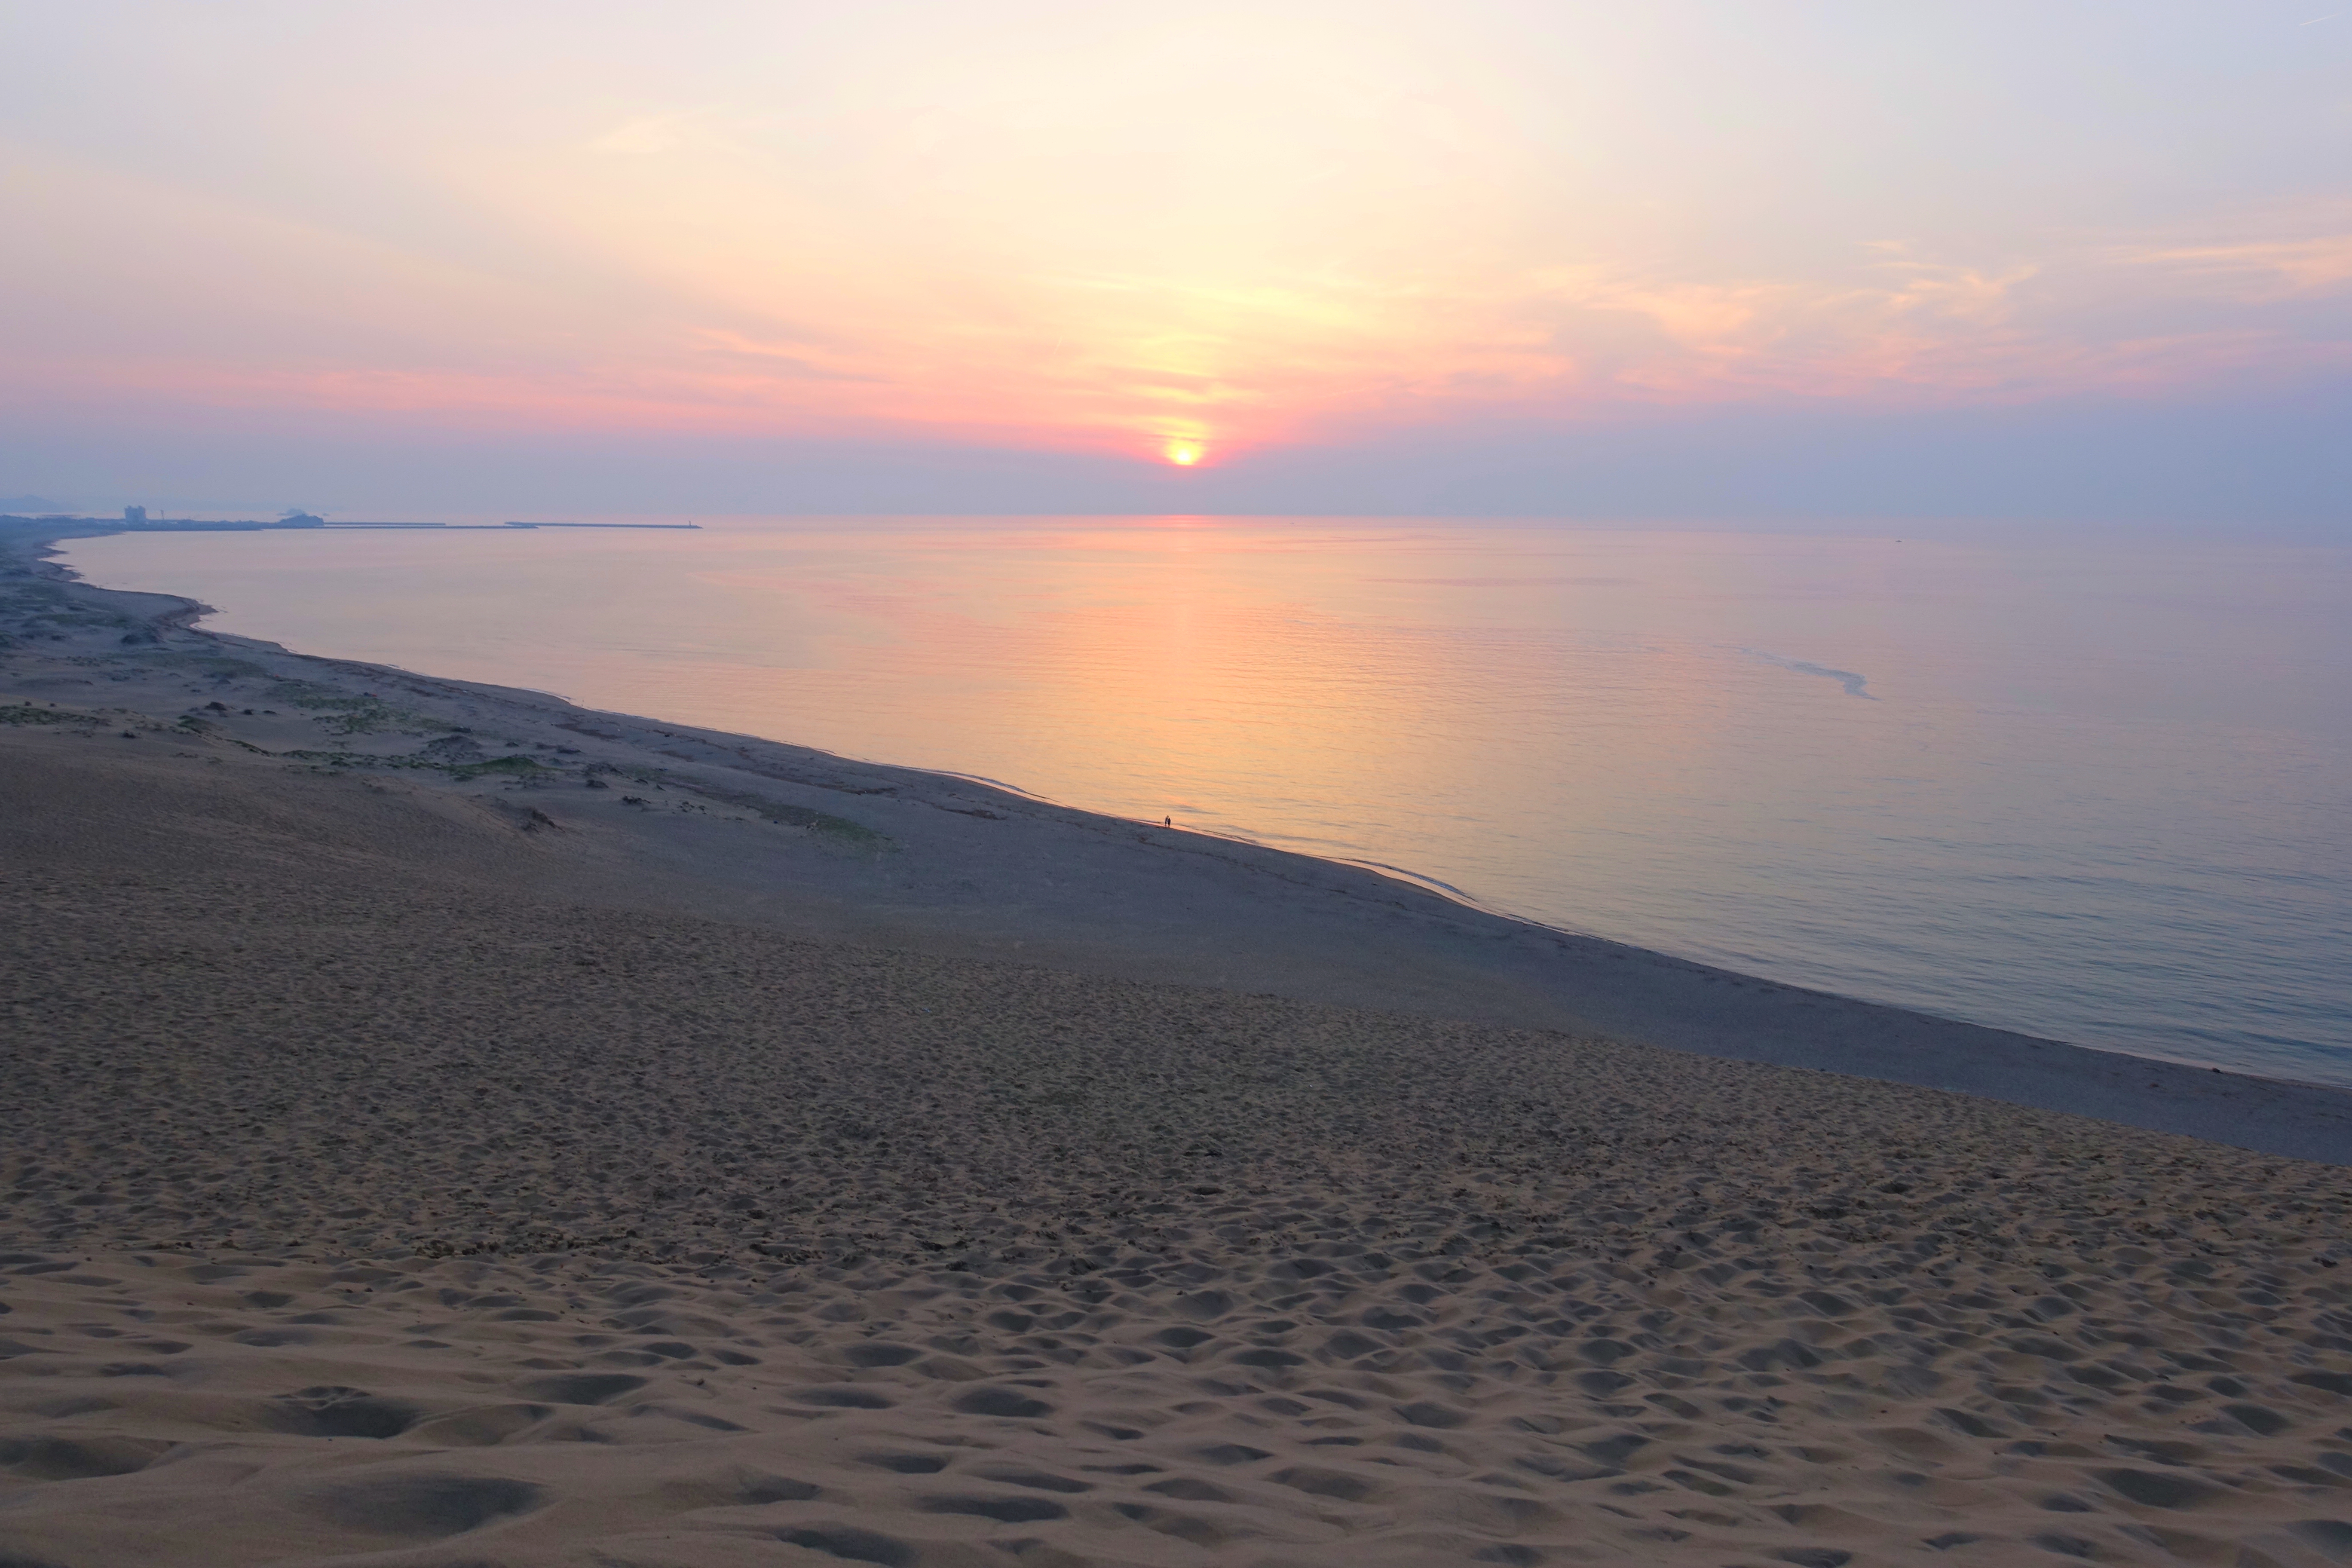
x=1852, y=683
x=1469, y=899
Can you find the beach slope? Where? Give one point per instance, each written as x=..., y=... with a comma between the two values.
x=439, y=1147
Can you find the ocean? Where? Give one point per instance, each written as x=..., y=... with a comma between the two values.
x=2097, y=791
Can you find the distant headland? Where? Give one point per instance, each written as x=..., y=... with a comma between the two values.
x=135, y=519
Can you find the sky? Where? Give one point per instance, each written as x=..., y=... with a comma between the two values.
x=2072, y=262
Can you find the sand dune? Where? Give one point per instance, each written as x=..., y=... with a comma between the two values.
x=438, y=1163
x=373, y=1213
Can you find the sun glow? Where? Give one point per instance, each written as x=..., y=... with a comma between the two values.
x=1182, y=453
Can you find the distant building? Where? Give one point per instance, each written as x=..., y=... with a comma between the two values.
x=135, y=514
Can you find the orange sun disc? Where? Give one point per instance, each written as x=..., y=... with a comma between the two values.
x=1184, y=454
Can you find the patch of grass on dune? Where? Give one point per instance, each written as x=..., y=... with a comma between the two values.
x=26, y=713
x=343, y=713
x=509, y=765
x=839, y=830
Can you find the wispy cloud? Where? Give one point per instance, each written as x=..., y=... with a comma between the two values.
x=703, y=130
x=2261, y=269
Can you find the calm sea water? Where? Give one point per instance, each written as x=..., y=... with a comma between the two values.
x=2097, y=793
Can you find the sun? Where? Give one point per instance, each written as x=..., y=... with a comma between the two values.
x=1182, y=453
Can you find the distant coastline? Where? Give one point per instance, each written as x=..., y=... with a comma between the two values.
x=136, y=520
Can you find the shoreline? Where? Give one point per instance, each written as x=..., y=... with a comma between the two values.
x=1142, y=903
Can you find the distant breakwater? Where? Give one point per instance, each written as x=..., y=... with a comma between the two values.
x=143, y=524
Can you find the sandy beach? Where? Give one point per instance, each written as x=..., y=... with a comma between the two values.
x=457, y=1128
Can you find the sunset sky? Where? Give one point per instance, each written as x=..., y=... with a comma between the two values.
x=2076, y=260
